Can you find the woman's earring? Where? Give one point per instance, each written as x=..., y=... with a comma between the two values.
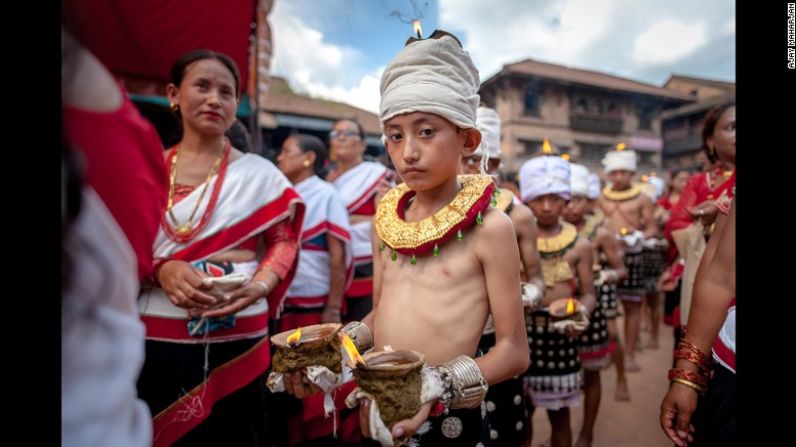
x=306, y=163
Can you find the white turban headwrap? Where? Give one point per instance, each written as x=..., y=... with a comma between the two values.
x=547, y=174
x=488, y=122
x=620, y=161
x=432, y=75
x=594, y=186
x=579, y=179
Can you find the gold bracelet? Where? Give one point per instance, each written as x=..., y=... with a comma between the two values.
x=690, y=385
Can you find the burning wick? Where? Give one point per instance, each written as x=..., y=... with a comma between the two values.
x=546, y=148
x=570, y=306
x=294, y=339
x=353, y=355
x=418, y=29
x=623, y=231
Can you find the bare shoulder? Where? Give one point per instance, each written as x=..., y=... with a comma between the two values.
x=644, y=200
x=522, y=214
x=496, y=223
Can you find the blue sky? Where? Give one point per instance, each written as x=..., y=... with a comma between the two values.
x=336, y=49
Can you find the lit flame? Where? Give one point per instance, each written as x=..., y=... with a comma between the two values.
x=546, y=148
x=623, y=231
x=570, y=306
x=565, y=156
x=418, y=29
x=353, y=355
x=620, y=146
x=294, y=338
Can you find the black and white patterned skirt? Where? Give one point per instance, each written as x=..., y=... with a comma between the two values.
x=634, y=287
x=593, y=342
x=554, y=377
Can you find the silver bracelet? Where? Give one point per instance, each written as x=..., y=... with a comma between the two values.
x=360, y=334
x=465, y=386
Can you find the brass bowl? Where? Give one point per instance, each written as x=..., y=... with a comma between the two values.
x=311, y=336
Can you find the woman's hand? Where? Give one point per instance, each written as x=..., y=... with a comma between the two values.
x=236, y=300
x=677, y=407
x=705, y=212
x=182, y=284
x=330, y=315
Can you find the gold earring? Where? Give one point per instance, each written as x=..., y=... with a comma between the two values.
x=174, y=107
x=306, y=163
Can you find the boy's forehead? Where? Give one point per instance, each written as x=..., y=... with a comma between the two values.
x=414, y=118
x=551, y=196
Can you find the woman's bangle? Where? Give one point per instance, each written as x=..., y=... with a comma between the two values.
x=689, y=384
x=264, y=285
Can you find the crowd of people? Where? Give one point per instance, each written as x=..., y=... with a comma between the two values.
x=181, y=263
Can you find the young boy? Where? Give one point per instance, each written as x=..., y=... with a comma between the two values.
x=554, y=377
x=594, y=349
x=443, y=259
x=607, y=289
x=505, y=402
x=629, y=213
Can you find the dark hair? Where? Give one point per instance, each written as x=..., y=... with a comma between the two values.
x=179, y=67
x=311, y=143
x=709, y=127
x=359, y=127
x=239, y=137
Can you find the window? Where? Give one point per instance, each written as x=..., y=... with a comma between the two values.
x=592, y=152
x=531, y=147
x=531, y=100
x=645, y=118
x=647, y=158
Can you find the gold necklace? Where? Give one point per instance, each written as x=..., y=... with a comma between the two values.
x=424, y=236
x=618, y=196
x=187, y=227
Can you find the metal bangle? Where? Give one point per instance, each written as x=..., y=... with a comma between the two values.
x=465, y=386
x=360, y=334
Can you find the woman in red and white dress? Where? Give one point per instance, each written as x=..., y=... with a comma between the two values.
x=228, y=212
x=359, y=183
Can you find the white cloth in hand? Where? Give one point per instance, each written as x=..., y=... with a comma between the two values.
x=431, y=388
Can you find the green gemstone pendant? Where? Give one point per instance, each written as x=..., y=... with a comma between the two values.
x=381, y=248
x=459, y=235
x=394, y=256
x=413, y=261
x=479, y=219
x=436, y=250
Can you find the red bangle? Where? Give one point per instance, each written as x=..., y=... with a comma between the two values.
x=698, y=360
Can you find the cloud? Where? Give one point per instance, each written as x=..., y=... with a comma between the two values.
x=668, y=41
x=317, y=67
x=364, y=95
x=640, y=40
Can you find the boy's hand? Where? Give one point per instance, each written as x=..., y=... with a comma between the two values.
x=408, y=427
x=298, y=385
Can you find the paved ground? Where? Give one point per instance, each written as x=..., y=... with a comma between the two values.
x=626, y=424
